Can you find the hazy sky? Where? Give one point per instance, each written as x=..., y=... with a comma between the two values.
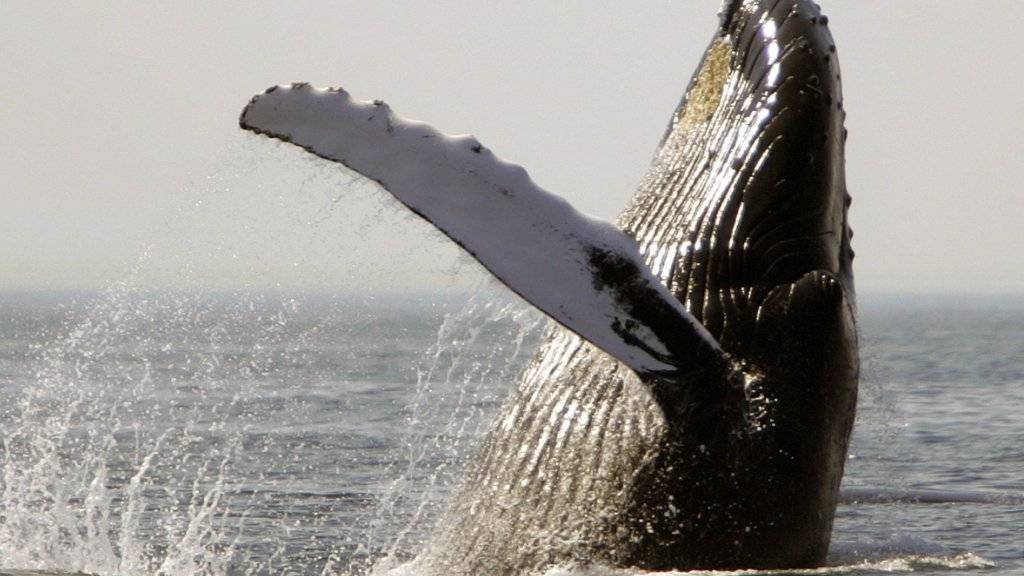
x=122, y=159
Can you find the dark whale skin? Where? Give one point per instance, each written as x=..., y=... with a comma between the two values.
x=743, y=215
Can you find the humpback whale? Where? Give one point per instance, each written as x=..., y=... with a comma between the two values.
x=692, y=401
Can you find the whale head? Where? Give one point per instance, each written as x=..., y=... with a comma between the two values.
x=743, y=215
x=747, y=192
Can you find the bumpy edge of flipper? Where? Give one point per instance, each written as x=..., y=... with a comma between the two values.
x=583, y=272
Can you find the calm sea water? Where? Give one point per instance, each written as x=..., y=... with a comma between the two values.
x=171, y=433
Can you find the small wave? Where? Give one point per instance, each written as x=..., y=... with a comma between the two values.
x=964, y=561
x=922, y=496
x=39, y=573
x=903, y=563
x=899, y=553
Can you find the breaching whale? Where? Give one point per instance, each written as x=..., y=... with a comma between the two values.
x=691, y=404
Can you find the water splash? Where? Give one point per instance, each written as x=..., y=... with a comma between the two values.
x=460, y=384
x=90, y=476
x=175, y=433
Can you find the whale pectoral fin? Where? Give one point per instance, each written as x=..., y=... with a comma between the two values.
x=585, y=273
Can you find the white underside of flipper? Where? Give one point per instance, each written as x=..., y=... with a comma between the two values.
x=584, y=272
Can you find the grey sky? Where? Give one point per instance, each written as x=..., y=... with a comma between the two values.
x=122, y=158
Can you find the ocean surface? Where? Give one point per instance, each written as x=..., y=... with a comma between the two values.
x=171, y=433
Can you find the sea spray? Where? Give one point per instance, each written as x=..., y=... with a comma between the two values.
x=121, y=454
x=461, y=381
x=89, y=475
x=178, y=433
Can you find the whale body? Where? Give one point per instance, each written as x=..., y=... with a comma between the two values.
x=692, y=401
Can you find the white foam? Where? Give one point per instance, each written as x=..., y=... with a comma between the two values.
x=908, y=564
x=894, y=562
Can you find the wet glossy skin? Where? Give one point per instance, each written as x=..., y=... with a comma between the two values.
x=743, y=215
